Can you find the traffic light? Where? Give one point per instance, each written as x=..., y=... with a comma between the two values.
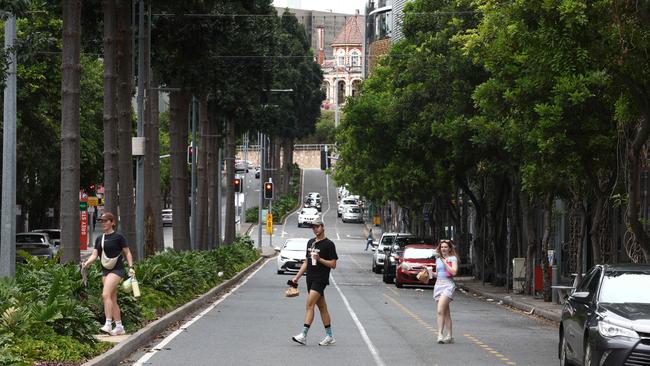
x=237, y=184
x=268, y=190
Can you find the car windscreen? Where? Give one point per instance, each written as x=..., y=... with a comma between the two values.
x=625, y=287
x=349, y=202
x=387, y=240
x=309, y=211
x=354, y=210
x=30, y=239
x=403, y=241
x=418, y=253
x=295, y=245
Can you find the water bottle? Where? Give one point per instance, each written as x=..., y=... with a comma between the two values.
x=135, y=286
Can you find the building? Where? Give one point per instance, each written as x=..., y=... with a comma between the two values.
x=379, y=27
x=313, y=20
x=343, y=72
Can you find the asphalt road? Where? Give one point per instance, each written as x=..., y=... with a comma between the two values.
x=373, y=323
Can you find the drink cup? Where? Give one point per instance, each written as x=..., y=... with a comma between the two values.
x=313, y=258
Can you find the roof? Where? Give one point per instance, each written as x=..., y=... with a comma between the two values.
x=351, y=32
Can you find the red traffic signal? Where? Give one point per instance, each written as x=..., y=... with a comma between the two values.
x=237, y=184
x=268, y=190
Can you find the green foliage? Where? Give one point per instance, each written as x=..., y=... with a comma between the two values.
x=281, y=206
x=47, y=314
x=325, y=132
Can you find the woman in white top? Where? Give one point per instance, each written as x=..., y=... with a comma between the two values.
x=443, y=292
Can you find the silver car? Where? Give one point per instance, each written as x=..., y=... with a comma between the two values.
x=352, y=214
x=379, y=255
x=292, y=254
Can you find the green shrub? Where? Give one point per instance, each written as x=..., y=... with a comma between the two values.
x=47, y=314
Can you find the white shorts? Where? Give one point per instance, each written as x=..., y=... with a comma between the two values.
x=444, y=287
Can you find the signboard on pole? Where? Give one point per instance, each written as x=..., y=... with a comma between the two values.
x=269, y=223
x=83, y=225
x=93, y=201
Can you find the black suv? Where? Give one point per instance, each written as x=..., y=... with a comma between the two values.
x=394, y=253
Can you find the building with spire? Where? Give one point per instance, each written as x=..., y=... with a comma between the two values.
x=343, y=73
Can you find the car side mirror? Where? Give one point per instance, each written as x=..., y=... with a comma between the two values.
x=277, y=249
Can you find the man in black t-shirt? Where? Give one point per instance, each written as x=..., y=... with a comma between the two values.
x=320, y=260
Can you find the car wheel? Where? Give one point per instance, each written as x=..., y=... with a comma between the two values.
x=398, y=284
x=563, y=350
x=587, y=357
x=374, y=267
x=280, y=271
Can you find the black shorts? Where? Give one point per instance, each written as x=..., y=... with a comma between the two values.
x=316, y=285
x=118, y=271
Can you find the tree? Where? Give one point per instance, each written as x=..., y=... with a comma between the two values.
x=70, y=154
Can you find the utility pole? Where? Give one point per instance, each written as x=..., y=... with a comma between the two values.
x=262, y=158
x=8, y=221
x=139, y=177
x=195, y=111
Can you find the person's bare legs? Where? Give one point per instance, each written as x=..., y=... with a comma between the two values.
x=448, y=324
x=312, y=300
x=109, y=296
x=441, y=316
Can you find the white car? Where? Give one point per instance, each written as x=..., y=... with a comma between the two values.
x=345, y=203
x=379, y=254
x=352, y=214
x=292, y=254
x=307, y=215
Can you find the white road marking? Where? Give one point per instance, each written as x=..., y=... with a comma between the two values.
x=169, y=338
x=362, y=330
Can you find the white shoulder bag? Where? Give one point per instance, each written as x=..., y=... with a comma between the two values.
x=107, y=263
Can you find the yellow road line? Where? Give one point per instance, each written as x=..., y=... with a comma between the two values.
x=434, y=330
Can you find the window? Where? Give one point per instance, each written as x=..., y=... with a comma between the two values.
x=355, y=59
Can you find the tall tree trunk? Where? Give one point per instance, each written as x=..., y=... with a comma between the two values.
x=288, y=165
x=229, y=236
x=70, y=130
x=202, y=184
x=153, y=100
x=594, y=233
x=277, y=173
x=125, y=125
x=634, y=185
x=111, y=151
x=531, y=240
x=178, y=130
x=152, y=214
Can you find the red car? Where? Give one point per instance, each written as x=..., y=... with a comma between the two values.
x=415, y=258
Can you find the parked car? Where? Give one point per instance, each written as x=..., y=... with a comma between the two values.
x=352, y=214
x=378, y=255
x=306, y=216
x=292, y=254
x=167, y=217
x=394, y=253
x=415, y=258
x=606, y=320
x=257, y=172
x=54, y=236
x=344, y=203
x=35, y=244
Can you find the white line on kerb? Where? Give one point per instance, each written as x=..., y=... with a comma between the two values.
x=362, y=330
x=143, y=360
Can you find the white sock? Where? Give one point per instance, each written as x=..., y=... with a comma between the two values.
x=109, y=321
x=118, y=323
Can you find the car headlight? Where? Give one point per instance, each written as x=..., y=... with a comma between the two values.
x=405, y=266
x=607, y=329
x=392, y=259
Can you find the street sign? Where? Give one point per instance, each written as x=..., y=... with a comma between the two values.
x=83, y=206
x=269, y=223
x=83, y=229
x=93, y=201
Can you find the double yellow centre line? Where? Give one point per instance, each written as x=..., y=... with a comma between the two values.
x=484, y=346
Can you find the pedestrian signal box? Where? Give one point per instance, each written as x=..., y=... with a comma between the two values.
x=268, y=190
x=190, y=151
x=237, y=184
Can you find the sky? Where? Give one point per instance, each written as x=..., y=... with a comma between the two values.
x=337, y=6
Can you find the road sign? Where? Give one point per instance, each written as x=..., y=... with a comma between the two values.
x=93, y=201
x=83, y=206
x=269, y=223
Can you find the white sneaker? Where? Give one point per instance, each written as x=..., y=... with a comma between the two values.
x=117, y=331
x=327, y=341
x=107, y=328
x=441, y=339
x=300, y=338
x=449, y=339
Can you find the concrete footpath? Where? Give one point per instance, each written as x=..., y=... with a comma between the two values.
x=129, y=343
x=498, y=294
